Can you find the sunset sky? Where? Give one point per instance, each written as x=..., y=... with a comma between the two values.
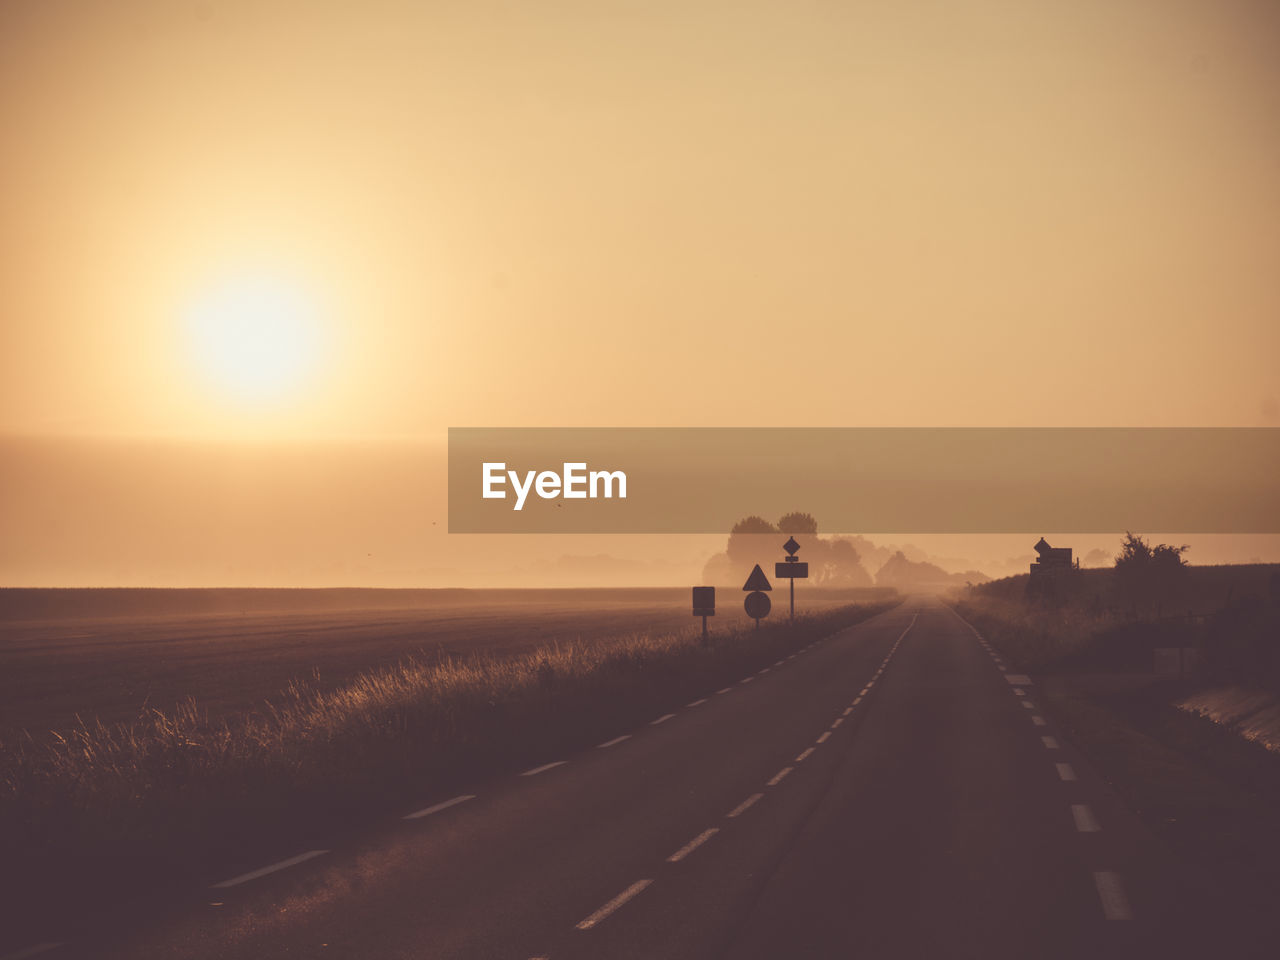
x=593, y=213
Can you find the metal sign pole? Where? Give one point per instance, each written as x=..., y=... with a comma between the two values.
x=791, y=569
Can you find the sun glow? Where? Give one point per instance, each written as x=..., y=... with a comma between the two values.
x=255, y=339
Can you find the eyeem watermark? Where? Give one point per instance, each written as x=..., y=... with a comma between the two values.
x=575, y=482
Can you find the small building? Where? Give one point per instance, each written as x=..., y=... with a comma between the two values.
x=1052, y=559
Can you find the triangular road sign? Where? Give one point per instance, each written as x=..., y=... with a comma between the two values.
x=757, y=580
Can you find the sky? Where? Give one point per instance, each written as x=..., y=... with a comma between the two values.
x=972, y=213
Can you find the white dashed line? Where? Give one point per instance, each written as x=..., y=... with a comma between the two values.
x=544, y=768
x=697, y=703
x=618, y=901
x=745, y=805
x=282, y=865
x=1115, y=905
x=725, y=690
x=804, y=755
x=1050, y=743
x=836, y=722
x=857, y=700
x=1037, y=720
x=1086, y=822
x=1000, y=668
x=693, y=845
x=764, y=671
x=1028, y=704
x=1018, y=679
x=614, y=742
x=662, y=719
x=864, y=690
x=847, y=711
x=824, y=737
x=746, y=679
x=1019, y=692
x=777, y=663
x=777, y=777
x=1065, y=772
x=440, y=806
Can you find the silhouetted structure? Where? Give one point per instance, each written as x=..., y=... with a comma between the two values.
x=1053, y=560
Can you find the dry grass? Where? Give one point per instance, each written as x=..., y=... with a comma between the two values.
x=1036, y=637
x=180, y=782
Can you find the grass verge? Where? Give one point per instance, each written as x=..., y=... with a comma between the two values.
x=1211, y=796
x=137, y=800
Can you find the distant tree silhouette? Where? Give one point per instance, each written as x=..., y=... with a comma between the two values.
x=1147, y=577
x=794, y=523
x=834, y=562
x=747, y=541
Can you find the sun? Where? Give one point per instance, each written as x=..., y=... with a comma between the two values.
x=254, y=339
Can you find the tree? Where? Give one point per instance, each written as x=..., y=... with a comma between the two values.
x=794, y=523
x=747, y=544
x=1147, y=576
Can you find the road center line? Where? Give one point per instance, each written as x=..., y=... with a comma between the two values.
x=1028, y=704
x=836, y=722
x=693, y=845
x=1065, y=772
x=697, y=703
x=1037, y=720
x=662, y=719
x=614, y=742
x=1115, y=905
x=282, y=865
x=823, y=739
x=544, y=768
x=746, y=679
x=777, y=777
x=760, y=673
x=725, y=690
x=804, y=755
x=847, y=711
x=440, y=806
x=1050, y=743
x=856, y=701
x=1019, y=692
x=1086, y=822
x=745, y=805
x=618, y=901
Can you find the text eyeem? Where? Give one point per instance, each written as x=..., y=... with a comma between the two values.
x=574, y=483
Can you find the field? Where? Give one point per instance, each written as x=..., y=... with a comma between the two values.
x=179, y=789
x=111, y=655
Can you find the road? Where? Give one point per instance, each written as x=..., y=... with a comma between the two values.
x=892, y=791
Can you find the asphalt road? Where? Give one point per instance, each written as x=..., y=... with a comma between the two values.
x=891, y=791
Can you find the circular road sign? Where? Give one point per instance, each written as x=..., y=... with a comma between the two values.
x=757, y=605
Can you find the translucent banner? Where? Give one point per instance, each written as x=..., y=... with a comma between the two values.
x=865, y=480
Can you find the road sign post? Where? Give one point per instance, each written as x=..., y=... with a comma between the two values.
x=791, y=569
x=757, y=602
x=704, y=605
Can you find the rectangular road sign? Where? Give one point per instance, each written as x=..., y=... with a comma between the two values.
x=704, y=601
x=790, y=571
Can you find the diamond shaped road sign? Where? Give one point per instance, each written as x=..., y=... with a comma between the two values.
x=791, y=546
x=757, y=580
